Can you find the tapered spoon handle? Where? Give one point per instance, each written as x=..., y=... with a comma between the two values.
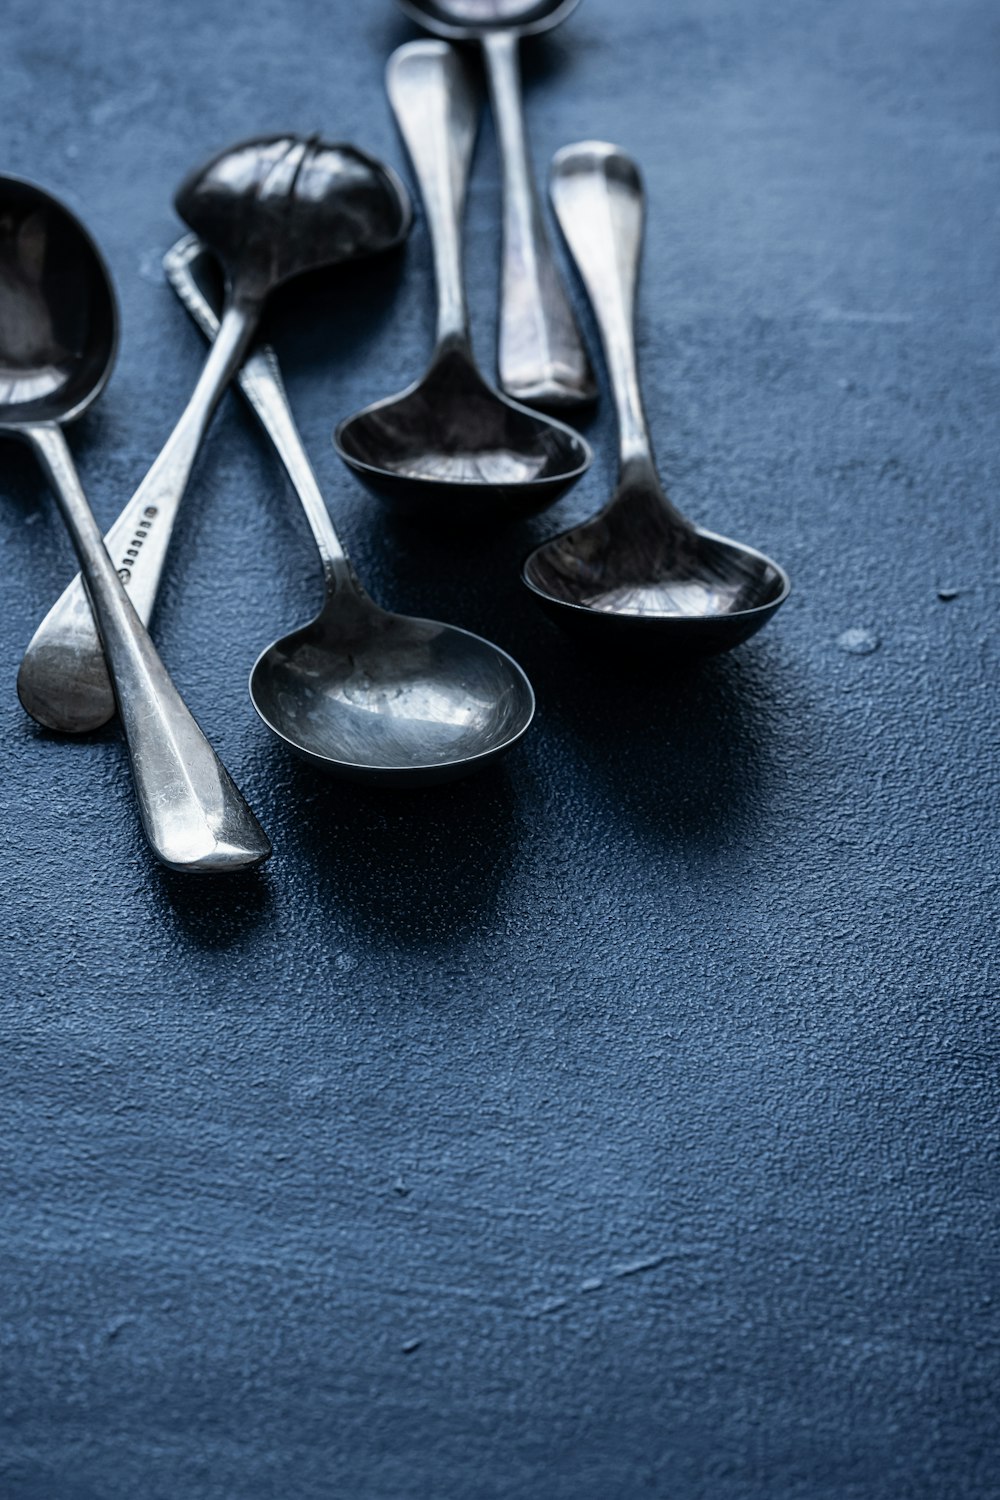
x=437, y=108
x=599, y=202
x=259, y=378
x=63, y=681
x=541, y=354
x=193, y=815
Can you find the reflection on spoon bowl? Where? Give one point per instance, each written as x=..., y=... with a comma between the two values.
x=706, y=592
x=390, y=700
x=454, y=446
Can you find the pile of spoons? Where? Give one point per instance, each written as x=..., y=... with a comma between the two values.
x=361, y=692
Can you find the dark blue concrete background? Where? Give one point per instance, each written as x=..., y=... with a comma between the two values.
x=625, y=1122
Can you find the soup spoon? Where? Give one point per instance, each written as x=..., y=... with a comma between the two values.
x=541, y=354
x=359, y=692
x=451, y=444
x=269, y=209
x=58, y=340
x=639, y=567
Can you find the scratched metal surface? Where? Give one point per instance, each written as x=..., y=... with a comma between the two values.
x=625, y=1122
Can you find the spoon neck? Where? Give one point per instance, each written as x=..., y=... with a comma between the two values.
x=449, y=342
x=453, y=313
x=640, y=488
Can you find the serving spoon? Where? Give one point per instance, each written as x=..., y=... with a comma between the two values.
x=450, y=444
x=58, y=341
x=270, y=209
x=639, y=568
x=364, y=694
x=541, y=354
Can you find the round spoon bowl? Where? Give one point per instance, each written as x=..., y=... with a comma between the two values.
x=277, y=206
x=457, y=19
x=452, y=446
x=391, y=701
x=58, y=313
x=697, y=592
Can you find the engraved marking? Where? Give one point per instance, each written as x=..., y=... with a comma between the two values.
x=142, y=530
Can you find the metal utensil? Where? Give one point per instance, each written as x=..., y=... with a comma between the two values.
x=270, y=209
x=451, y=444
x=639, y=567
x=58, y=340
x=541, y=354
x=368, y=695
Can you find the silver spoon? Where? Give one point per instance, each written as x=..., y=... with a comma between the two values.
x=541, y=354
x=451, y=444
x=58, y=340
x=639, y=567
x=270, y=209
x=372, y=696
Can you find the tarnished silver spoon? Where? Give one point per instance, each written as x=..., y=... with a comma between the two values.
x=364, y=694
x=58, y=339
x=639, y=571
x=270, y=209
x=450, y=445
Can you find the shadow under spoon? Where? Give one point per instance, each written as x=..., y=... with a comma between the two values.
x=639, y=570
x=451, y=445
x=540, y=352
x=270, y=209
x=58, y=340
x=359, y=692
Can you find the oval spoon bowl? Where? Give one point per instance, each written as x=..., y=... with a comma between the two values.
x=452, y=446
x=709, y=595
x=456, y=20
x=404, y=703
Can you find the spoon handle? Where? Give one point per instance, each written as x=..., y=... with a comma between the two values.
x=260, y=381
x=63, y=681
x=598, y=198
x=437, y=108
x=194, y=817
x=541, y=354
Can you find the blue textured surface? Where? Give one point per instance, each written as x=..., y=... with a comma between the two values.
x=623, y=1123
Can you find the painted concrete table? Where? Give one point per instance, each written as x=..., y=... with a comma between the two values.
x=624, y=1122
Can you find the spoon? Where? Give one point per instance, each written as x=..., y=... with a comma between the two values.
x=372, y=696
x=58, y=340
x=451, y=444
x=270, y=209
x=541, y=354
x=639, y=567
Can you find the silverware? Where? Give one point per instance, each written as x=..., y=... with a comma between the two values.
x=58, y=340
x=541, y=354
x=376, y=697
x=450, y=443
x=639, y=567
x=270, y=209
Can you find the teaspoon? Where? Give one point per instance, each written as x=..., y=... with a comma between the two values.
x=58, y=340
x=541, y=354
x=270, y=209
x=451, y=444
x=368, y=695
x=639, y=567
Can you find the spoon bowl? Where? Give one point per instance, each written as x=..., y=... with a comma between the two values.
x=645, y=583
x=386, y=699
x=278, y=206
x=457, y=19
x=454, y=446
x=57, y=309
